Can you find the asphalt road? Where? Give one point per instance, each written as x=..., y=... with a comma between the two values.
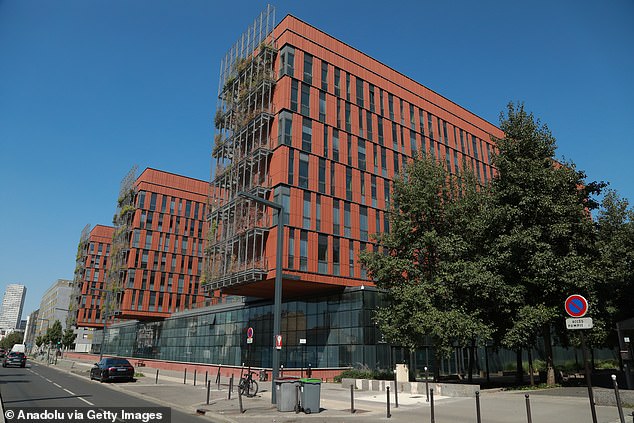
x=41, y=386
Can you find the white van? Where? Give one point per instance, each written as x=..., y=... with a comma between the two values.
x=19, y=348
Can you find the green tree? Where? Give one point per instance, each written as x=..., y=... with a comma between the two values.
x=39, y=340
x=11, y=339
x=541, y=234
x=54, y=333
x=68, y=339
x=433, y=287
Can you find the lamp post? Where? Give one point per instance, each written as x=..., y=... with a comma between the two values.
x=277, y=302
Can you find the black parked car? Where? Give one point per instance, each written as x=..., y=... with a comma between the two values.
x=112, y=369
x=14, y=359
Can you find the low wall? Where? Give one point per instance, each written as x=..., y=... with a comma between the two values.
x=441, y=389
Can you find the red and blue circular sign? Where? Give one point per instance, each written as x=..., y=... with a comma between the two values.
x=576, y=305
x=250, y=333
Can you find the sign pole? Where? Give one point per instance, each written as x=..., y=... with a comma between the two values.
x=588, y=379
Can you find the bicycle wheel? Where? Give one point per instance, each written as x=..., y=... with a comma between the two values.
x=242, y=385
x=253, y=388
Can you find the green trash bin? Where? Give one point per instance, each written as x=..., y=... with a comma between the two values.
x=310, y=395
x=286, y=392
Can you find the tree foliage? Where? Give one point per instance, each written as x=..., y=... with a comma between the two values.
x=54, y=333
x=11, y=339
x=68, y=338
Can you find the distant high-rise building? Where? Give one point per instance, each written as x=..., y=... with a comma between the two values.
x=31, y=326
x=12, y=305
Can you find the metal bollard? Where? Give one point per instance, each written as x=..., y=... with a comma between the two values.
x=230, y=387
x=194, y=377
x=387, y=389
x=431, y=404
x=528, y=409
x=208, y=390
x=240, y=401
x=618, y=399
x=218, y=378
x=478, y=418
x=281, y=370
x=156, y=381
x=206, y=377
x=185, y=376
x=395, y=395
x=352, y=399
x=427, y=383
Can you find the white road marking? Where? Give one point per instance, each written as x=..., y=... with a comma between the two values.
x=48, y=380
x=58, y=385
x=86, y=401
x=72, y=393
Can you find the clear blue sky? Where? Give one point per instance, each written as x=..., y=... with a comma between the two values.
x=89, y=88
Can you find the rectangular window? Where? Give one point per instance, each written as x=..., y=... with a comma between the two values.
x=347, y=87
x=351, y=258
x=322, y=106
x=153, y=202
x=383, y=161
x=324, y=76
x=307, y=134
x=308, y=68
x=361, y=154
x=322, y=253
x=287, y=60
x=338, y=113
x=373, y=190
x=444, y=130
x=291, y=248
x=325, y=141
x=322, y=175
x=380, y=128
x=401, y=111
x=303, y=170
x=338, y=82
x=347, y=228
x=332, y=178
x=335, y=217
x=285, y=128
x=421, y=124
x=348, y=183
x=349, y=147
x=164, y=204
x=395, y=136
x=386, y=193
x=362, y=179
x=361, y=122
x=306, y=211
x=294, y=94
x=335, y=145
x=303, y=250
x=368, y=125
x=148, y=240
x=291, y=165
x=359, y=92
x=305, y=100
x=336, y=254
x=395, y=162
x=430, y=127
x=390, y=105
x=375, y=158
x=371, y=89
x=412, y=124
x=413, y=145
x=348, y=121
x=455, y=162
x=381, y=102
x=474, y=144
x=318, y=212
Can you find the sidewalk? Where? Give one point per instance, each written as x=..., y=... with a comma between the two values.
x=496, y=406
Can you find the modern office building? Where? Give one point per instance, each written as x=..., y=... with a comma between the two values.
x=311, y=123
x=54, y=305
x=12, y=304
x=31, y=326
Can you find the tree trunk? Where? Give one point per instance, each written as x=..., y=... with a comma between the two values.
x=519, y=370
x=436, y=366
x=530, y=366
x=548, y=349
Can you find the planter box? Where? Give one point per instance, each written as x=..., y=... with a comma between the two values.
x=414, y=388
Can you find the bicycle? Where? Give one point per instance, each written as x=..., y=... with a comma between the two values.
x=247, y=385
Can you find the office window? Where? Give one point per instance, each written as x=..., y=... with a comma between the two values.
x=390, y=105
x=375, y=158
x=474, y=144
x=348, y=183
x=432, y=150
x=322, y=253
x=322, y=106
x=362, y=183
x=421, y=124
x=291, y=165
x=322, y=175
x=335, y=145
x=294, y=94
x=348, y=121
x=401, y=111
x=318, y=212
x=448, y=158
x=364, y=271
x=430, y=127
x=383, y=161
x=325, y=141
x=455, y=162
x=306, y=211
x=368, y=125
x=282, y=196
x=336, y=229
x=381, y=102
x=373, y=190
x=287, y=60
x=347, y=86
x=349, y=147
x=285, y=128
x=148, y=239
x=153, y=202
x=347, y=228
x=332, y=178
x=307, y=134
x=444, y=130
x=164, y=204
x=395, y=162
x=394, y=136
x=305, y=100
x=386, y=193
x=308, y=68
x=338, y=113
x=324, y=76
x=359, y=92
x=413, y=145
x=371, y=89
x=361, y=122
x=338, y=82
x=361, y=154
x=336, y=254
x=351, y=258
x=291, y=248
x=412, y=124
x=380, y=128
x=303, y=250
x=303, y=170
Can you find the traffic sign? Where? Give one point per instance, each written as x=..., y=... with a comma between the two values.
x=576, y=306
x=302, y=340
x=249, y=340
x=278, y=342
x=580, y=323
x=250, y=333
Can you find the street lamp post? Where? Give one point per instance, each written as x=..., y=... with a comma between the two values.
x=277, y=301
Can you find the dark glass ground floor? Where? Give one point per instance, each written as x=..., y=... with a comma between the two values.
x=338, y=330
